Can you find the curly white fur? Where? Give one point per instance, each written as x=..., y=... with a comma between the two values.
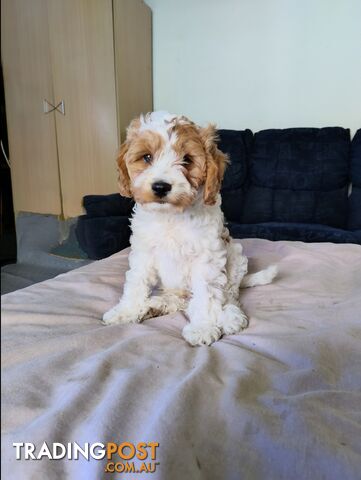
x=197, y=264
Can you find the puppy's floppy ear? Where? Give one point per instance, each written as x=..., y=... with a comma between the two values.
x=123, y=178
x=216, y=162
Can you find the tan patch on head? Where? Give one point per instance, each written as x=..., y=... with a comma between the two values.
x=124, y=180
x=207, y=164
x=123, y=177
x=189, y=145
x=216, y=165
x=131, y=155
x=147, y=143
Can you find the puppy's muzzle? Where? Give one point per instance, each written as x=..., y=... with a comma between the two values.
x=161, y=189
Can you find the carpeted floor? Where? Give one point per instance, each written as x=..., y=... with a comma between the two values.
x=46, y=247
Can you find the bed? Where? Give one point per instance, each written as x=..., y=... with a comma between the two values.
x=282, y=400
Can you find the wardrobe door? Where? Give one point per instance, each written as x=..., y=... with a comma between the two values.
x=81, y=42
x=28, y=81
x=133, y=60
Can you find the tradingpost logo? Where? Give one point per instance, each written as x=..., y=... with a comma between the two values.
x=125, y=457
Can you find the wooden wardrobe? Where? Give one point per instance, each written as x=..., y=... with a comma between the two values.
x=75, y=73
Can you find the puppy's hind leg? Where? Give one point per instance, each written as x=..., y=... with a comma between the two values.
x=232, y=319
x=237, y=268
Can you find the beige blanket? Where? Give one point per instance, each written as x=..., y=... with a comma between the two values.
x=279, y=401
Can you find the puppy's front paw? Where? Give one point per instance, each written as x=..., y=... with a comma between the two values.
x=232, y=320
x=120, y=315
x=201, y=334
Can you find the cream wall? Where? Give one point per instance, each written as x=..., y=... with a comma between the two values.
x=259, y=63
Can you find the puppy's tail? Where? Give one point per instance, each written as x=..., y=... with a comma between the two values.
x=262, y=277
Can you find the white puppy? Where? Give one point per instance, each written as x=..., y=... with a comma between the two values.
x=173, y=170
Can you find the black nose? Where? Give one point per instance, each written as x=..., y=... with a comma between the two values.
x=161, y=188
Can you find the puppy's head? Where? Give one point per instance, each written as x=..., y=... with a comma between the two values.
x=168, y=161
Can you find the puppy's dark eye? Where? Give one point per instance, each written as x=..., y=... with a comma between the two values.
x=186, y=160
x=147, y=158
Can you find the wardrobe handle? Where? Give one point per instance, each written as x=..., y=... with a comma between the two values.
x=48, y=107
x=61, y=107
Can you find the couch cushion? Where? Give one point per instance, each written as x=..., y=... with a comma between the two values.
x=354, y=220
x=107, y=205
x=106, y=228
x=100, y=237
x=294, y=231
x=237, y=145
x=299, y=175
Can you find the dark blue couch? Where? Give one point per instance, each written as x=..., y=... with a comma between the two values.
x=290, y=184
